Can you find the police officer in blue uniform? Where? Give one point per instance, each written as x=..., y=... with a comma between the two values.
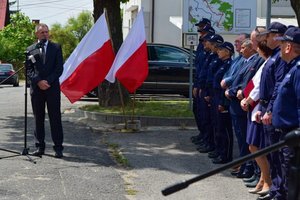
x=286, y=108
x=224, y=132
x=204, y=28
x=272, y=74
x=205, y=78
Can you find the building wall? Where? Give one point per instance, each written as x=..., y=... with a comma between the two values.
x=162, y=18
x=282, y=8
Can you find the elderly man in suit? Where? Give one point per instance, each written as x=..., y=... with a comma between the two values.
x=44, y=73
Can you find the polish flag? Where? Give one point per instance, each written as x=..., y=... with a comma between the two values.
x=130, y=66
x=89, y=63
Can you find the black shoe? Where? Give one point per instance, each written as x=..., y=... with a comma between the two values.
x=244, y=175
x=265, y=197
x=235, y=172
x=205, y=150
x=38, y=152
x=252, y=178
x=213, y=154
x=58, y=154
x=219, y=160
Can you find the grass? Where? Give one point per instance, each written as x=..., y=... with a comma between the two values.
x=148, y=108
x=116, y=154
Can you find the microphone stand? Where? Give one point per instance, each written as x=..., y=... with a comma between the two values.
x=25, y=151
x=292, y=139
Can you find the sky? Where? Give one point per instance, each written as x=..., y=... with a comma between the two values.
x=53, y=11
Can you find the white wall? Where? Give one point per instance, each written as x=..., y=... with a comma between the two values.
x=164, y=30
x=167, y=15
x=281, y=8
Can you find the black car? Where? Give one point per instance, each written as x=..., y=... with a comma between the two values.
x=8, y=75
x=169, y=70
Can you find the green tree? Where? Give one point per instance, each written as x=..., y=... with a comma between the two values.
x=71, y=34
x=14, y=39
x=108, y=94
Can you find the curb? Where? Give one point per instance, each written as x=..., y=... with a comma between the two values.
x=145, y=120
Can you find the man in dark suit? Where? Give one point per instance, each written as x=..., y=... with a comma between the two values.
x=44, y=71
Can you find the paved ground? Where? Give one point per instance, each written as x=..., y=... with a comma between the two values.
x=158, y=156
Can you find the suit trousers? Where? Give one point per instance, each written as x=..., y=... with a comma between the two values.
x=39, y=100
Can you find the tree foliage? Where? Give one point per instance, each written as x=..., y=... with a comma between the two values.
x=71, y=34
x=14, y=39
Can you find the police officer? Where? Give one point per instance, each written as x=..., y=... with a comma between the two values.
x=272, y=75
x=204, y=28
x=205, y=83
x=224, y=133
x=286, y=108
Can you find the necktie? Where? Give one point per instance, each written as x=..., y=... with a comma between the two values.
x=43, y=54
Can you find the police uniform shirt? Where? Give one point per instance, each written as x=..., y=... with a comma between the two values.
x=201, y=55
x=220, y=73
x=272, y=75
x=213, y=67
x=203, y=73
x=286, y=109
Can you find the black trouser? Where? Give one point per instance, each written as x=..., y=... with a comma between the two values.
x=39, y=100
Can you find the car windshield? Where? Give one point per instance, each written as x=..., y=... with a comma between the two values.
x=4, y=67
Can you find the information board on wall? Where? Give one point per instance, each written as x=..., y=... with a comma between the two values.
x=227, y=16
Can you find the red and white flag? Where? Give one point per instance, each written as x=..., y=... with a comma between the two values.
x=89, y=63
x=130, y=66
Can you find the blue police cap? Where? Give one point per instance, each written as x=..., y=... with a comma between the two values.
x=216, y=38
x=292, y=35
x=207, y=28
x=203, y=21
x=207, y=36
x=275, y=27
x=228, y=46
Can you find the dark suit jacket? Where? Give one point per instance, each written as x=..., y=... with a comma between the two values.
x=50, y=71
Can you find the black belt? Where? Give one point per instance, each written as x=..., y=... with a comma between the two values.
x=285, y=130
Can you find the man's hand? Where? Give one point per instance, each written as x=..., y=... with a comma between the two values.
x=258, y=117
x=227, y=95
x=239, y=94
x=195, y=92
x=267, y=119
x=245, y=105
x=43, y=85
x=207, y=99
x=221, y=108
x=223, y=84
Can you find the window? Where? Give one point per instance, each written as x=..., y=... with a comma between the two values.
x=169, y=54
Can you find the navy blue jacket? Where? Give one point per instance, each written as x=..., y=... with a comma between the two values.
x=200, y=58
x=204, y=70
x=222, y=100
x=271, y=76
x=286, y=108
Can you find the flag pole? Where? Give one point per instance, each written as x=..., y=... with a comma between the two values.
x=119, y=86
x=133, y=107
